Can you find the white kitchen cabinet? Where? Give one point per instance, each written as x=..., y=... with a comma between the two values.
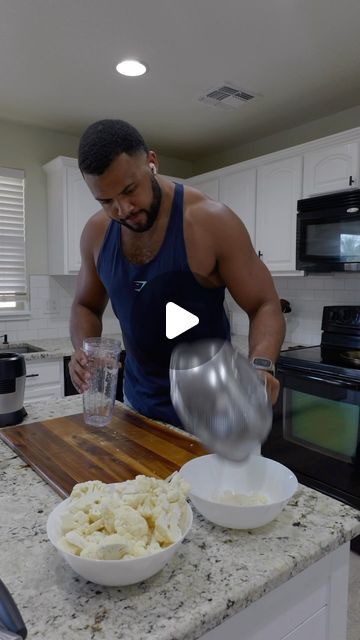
x=234, y=187
x=331, y=168
x=70, y=205
x=310, y=606
x=278, y=190
x=44, y=380
x=208, y=186
x=237, y=189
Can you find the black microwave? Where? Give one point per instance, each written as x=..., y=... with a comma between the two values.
x=328, y=232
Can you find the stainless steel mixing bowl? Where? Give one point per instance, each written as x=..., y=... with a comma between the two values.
x=219, y=397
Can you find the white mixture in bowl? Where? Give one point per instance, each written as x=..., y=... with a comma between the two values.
x=236, y=499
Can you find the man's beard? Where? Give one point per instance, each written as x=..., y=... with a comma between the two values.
x=150, y=214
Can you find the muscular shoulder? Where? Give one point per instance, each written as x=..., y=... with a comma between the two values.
x=212, y=221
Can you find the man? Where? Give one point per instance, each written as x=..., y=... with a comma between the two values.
x=154, y=242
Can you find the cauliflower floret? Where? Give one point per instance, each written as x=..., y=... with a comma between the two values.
x=91, y=486
x=146, y=509
x=94, y=512
x=74, y=538
x=69, y=548
x=178, y=489
x=71, y=521
x=86, y=503
x=95, y=526
x=144, y=484
x=97, y=537
x=137, y=550
x=153, y=545
x=113, y=547
x=166, y=529
x=108, y=518
x=134, y=500
x=129, y=522
x=90, y=552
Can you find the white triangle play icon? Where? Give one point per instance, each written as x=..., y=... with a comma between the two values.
x=178, y=320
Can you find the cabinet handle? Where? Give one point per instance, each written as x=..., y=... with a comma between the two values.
x=32, y=375
x=260, y=254
x=351, y=181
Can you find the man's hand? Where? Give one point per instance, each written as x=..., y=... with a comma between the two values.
x=78, y=370
x=272, y=385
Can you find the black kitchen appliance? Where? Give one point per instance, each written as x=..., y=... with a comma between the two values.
x=328, y=232
x=12, y=388
x=11, y=623
x=316, y=427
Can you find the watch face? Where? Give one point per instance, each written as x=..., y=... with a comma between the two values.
x=263, y=362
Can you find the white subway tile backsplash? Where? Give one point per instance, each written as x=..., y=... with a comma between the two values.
x=51, y=333
x=50, y=303
x=348, y=297
x=351, y=286
x=307, y=296
x=51, y=299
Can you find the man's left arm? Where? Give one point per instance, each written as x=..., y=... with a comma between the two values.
x=250, y=284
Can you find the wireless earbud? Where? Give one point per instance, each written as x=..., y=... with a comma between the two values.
x=152, y=167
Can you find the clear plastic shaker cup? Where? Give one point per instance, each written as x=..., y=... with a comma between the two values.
x=103, y=366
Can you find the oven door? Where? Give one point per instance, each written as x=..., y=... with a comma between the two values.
x=316, y=432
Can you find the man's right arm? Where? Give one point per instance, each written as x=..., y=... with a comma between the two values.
x=89, y=302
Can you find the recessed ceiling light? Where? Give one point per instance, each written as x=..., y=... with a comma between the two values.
x=131, y=68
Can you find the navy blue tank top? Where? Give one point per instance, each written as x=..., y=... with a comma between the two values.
x=138, y=295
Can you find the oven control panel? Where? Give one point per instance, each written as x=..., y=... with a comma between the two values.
x=341, y=319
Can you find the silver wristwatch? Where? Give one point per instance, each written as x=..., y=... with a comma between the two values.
x=265, y=364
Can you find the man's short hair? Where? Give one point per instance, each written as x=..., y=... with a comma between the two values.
x=105, y=140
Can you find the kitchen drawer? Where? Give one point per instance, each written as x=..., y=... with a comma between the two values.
x=37, y=393
x=43, y=373
x=315, y=628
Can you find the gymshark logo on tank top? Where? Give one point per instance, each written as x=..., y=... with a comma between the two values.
x=139, y=284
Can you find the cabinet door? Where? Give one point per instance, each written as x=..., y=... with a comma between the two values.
x=331, y=169
x=210, y=187
x=43, y=380
x=278, y=190
x=238, y=190
x=81, y=205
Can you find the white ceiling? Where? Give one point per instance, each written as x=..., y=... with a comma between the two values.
x=58, y=58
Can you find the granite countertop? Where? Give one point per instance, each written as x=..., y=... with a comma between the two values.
x=242, y=343
x=216, y=573
x=52, y=348
x=55, y=348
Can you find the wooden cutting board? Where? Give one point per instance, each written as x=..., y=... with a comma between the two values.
x=65, y=451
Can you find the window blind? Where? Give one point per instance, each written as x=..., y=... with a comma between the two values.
x=13, y=282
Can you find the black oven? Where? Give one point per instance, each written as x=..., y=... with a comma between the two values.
x=316, y=426
x=328, y=232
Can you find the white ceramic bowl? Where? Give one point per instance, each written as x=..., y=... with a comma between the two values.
x=113, y=573
x=210, y=475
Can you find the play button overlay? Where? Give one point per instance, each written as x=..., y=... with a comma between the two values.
x=178, y=320
x=166, y=310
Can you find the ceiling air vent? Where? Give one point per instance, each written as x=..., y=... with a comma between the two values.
x=227, y=96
